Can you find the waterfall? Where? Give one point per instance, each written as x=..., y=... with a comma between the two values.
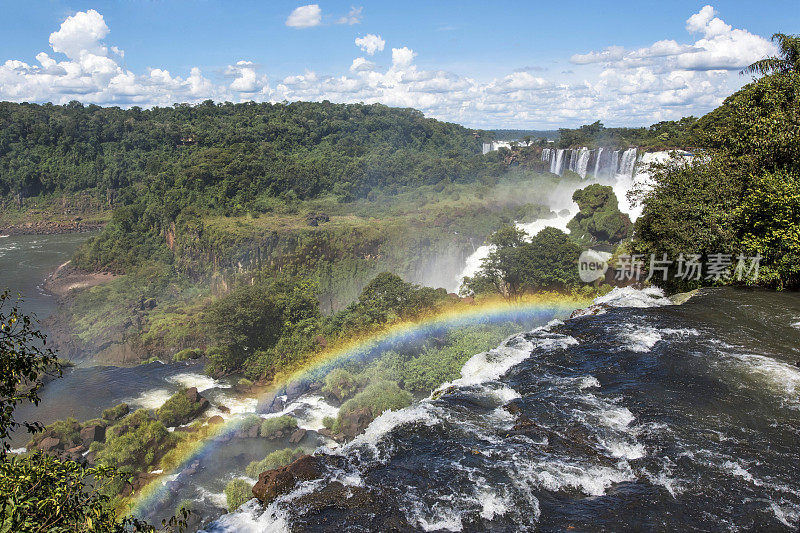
x=559, y=162
x=614, y=162
x=628, y=162
x=546, y=154
x=597, y=162
x=582, y=159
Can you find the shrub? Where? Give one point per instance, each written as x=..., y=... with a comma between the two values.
x=115, y=413
x=178, y=410
x=275, y=459
x=342, y=384
x=237, y=492
x=188, y=353
x=271, y=426
x=137, y=440
x=377, y=397
x=67, y=431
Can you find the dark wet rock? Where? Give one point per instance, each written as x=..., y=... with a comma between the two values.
x=90, y=457
x=513, y=408
x=373, y=512
x=223, y=409
x=93, y=433
x=315, y=219
x=216, y=419
x=589, y=311
x=50, y=445
x=274, y=483
x=297, y=436
x=274, y=402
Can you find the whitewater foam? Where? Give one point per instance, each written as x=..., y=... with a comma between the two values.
x=202, y=382
x=630, y=297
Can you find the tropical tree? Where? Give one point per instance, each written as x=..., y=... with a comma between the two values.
x=787, y=60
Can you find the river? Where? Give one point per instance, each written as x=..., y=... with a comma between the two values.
x=647, y=417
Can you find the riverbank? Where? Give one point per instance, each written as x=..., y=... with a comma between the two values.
x=50, y=227
x=67, y=278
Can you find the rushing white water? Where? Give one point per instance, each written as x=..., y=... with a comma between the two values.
x=583, y=162
x=597, y=162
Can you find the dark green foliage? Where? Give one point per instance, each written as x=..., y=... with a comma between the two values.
x=115, y=413
x=24, y=361
x=178, y=409
x=222, y=156
x=264, y=322
x=548, y=261
x=237, y=492
x=663, y=135
x=137, y=441
x=377, y=397
x=739, y=196
x=768, y=223
x=40, y=492
x=271, y=426
x=599, y=218
x=386, y=298
x=342, y=384
x=274, y=460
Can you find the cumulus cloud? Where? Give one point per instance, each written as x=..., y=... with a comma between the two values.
x=663, y=81
x=721, y=48
x=360, y=64
x=353, y=17
x=370, y=43
x=305, y=17
x=402, y=57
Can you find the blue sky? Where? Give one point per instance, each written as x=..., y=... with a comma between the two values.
x=531, y=65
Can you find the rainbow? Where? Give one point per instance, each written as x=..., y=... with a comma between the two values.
x=539, y=308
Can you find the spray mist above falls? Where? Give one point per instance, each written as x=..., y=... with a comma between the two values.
x=621, y=169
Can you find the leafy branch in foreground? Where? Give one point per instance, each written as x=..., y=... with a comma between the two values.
x=40, y=492
x=24, y=360
x=787, y=60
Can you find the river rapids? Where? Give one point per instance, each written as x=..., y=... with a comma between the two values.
x=647, y=416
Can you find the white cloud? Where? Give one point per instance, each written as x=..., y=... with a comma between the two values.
x=80, y=35
x=402, y=57
x=370, y=43
x=721, y=48
x=611, y=53
x=353, y=17
x=305, y=17
x=665, y=80
x=360, y=64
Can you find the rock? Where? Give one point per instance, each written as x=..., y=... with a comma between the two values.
x=193, y=395
x=355, y=422
x=253, y=432
x=274, y=483
x=297, y=436
x=50, y=445
x=94, y=433
x=150, y=303
x=216, y=419
x=296, y=388
x=315, y=219
x=90, y=457
x=223, y=409
x=374, y=512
